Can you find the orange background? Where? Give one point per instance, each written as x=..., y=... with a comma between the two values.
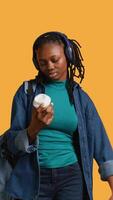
x=89, y=22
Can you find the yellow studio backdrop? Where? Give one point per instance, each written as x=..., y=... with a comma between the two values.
x=89, y=22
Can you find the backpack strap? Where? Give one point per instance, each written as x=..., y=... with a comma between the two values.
x=30, y=86
x=29, y=89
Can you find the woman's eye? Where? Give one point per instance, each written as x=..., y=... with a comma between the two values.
x=42, y=64
x=54, y=61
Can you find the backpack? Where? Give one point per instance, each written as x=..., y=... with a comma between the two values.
x=5, y=164
x=8, y=159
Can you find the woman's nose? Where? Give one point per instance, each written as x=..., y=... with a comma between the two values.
x=50, y=65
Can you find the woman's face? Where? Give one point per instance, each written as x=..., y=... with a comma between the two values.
x=52, y=61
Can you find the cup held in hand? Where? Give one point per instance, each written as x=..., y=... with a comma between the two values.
x=41, y=99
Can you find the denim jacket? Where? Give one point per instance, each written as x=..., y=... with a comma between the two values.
x=90, y=142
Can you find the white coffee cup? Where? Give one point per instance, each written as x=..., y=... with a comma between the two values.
x=42, y=99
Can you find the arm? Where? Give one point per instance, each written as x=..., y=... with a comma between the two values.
x=102, y=149
x=41, y=117
x=23, y=132
x=17, y=134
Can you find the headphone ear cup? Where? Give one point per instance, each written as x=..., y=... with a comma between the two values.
x=69, y=54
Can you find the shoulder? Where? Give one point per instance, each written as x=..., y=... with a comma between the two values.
x=82, y=94
x=22, y=90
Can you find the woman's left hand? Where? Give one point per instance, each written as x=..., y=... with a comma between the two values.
x=111, y=198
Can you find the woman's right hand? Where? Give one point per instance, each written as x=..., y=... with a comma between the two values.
x=41, y=117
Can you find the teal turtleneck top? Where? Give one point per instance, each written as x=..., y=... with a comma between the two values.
x=55, y=140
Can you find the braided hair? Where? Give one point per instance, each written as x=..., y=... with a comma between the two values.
x=72, y=67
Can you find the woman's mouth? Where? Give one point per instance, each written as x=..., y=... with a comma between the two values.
x=52, y=74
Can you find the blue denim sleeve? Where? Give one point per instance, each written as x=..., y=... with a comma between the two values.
x=103, y=152
x=17, y=134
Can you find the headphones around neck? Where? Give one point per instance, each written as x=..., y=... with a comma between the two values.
x=69, y=52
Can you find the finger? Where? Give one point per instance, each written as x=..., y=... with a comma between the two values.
x=49, y=108
x=49, y=120
x=40, y=108
x=44, y=116
x=47, y=117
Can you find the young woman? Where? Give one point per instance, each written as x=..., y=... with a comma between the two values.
x=56, y=145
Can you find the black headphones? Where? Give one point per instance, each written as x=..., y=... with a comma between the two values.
x=69, y=52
